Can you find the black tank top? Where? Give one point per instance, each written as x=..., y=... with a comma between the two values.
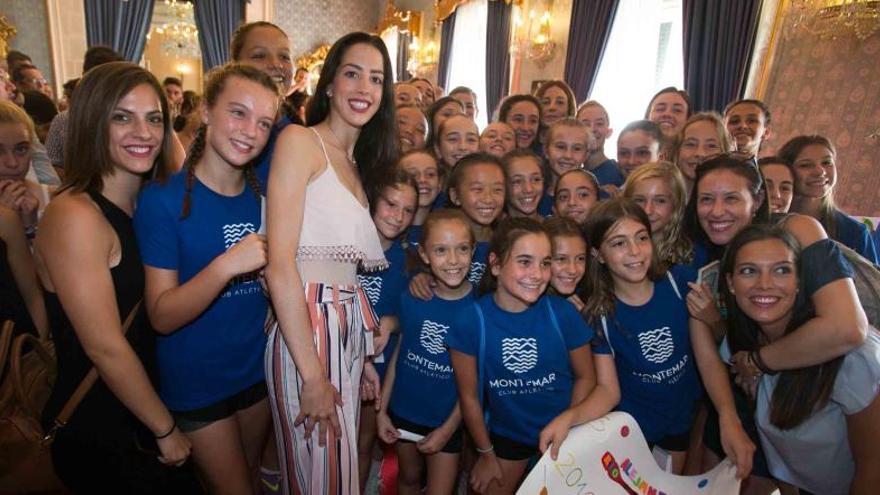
x=101, y=414
x=12, y=305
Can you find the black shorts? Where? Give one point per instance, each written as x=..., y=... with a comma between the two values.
x=511, y=450
x=712, y=431
x=453, y=446
x=188, y=421
x=678, y=442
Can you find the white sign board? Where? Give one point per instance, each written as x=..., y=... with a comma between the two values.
x=610, y=456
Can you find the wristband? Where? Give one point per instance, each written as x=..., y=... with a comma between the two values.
x=759, y=362
x=490, y=448
x=173, y=427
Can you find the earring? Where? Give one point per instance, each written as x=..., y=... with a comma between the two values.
x=329, y=93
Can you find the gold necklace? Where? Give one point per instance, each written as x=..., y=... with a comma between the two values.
x=338, y=145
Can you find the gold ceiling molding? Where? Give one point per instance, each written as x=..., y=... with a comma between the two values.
x=309, y=61
x=405, y=21
x=7, y=32
x=445, y=8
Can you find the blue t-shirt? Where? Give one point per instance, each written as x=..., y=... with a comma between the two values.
x=441, y=201
x=479, y=262
x=655, y=365
x=855, y=235
x=383, y=290
x=527, y=374
x=220, y=353
x=545, y=205
x=264, y=160
x=423, y=363
x=688, y=272
x=609, y=173
x=413, y=236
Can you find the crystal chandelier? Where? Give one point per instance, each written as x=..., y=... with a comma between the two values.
x=179, y=36
x=830, y=19
x=532, y=37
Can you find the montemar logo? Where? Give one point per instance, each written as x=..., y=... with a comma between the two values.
x=519, y=354
x=234, y=232
x=372, y=285
x=657, y=345
x=476, y=272
x=433, y=336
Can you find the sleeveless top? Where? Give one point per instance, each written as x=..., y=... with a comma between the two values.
x=101, y=418
x=12, y=305
x=336, y=226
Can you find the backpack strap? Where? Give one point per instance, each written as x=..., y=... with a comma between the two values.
x=554, y=322
x=607, y=335
x=674, y=284
x=481, y=354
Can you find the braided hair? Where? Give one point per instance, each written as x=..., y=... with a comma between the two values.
x=213, y=89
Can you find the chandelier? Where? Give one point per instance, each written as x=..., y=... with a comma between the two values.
x=179, y=35
x=829, y=19
x=423, y=57
x=532, y=37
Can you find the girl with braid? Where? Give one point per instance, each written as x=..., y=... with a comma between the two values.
x=202, y=255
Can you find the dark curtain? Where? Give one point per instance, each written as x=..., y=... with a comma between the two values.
x=497, y=53
x=216, y=21
x=446, y=35
x=403, y=41
x=718, y=40
x=588, y=33
x=122, y=26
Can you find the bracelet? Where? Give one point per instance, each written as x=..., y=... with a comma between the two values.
x=759, y=362
x=173, y=427
x=490, y=448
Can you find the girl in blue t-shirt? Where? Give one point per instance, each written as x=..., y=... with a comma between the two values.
x=525, y=184
x=429, y=176
x=813, y=162
x=477, y=187
x=421, y=362
x=394, y=201
x=658, y=187
x=577, y=193
x=569, y=262
x=642, y=324
x=525, y=352
x=202, y=256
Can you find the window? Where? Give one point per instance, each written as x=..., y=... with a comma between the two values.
x=467, y=65
x=644, y=54
x=390, y=37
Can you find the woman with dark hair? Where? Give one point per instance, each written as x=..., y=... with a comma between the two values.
x=319, y=231
x=818, y=422
x=88, y=262
x=813, y=162
x=437, y=113
x=523, y=113
x=728, y=196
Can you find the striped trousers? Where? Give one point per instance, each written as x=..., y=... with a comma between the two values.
x=342, y=321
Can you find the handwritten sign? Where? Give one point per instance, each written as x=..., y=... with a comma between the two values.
x=610, y=456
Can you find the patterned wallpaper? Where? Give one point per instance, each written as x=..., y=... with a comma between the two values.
x=311, y=23
x=832, y=87
x=30, y=19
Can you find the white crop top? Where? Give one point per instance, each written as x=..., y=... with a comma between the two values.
x=335, y=225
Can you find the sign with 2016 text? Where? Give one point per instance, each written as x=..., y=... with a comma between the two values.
x=610, y=456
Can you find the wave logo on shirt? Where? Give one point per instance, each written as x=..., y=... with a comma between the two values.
x=372, y=285
x=433, y=336
x=234, y=232
x=519, y=354
x=657, y=345
x=476, y=272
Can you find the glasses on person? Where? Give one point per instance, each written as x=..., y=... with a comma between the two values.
x=35, y=81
